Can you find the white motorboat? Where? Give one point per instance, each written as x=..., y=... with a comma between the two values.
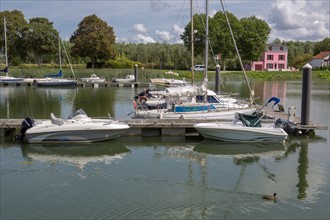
x=79, y=128
x=93, y=79
x=169, y=82
x=249, y=130
x=127, y=78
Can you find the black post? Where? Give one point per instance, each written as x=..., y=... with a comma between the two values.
x=136, y=73
x=217, y=79
x=306, y=94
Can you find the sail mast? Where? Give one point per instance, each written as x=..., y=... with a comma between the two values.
x=192, y=41
x=59, y=51
x=6, y=51
x=206, y=38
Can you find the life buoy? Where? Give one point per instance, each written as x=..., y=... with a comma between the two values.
x=143, y=99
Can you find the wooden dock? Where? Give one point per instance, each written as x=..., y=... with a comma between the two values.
x=159, y=127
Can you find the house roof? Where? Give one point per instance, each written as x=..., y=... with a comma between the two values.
x=322, y=55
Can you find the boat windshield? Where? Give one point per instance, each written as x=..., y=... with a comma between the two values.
x=80, y=112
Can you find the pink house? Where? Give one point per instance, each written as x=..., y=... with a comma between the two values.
x=274, y=58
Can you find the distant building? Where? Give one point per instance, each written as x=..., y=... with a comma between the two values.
x=274, y=58
x=321, y=59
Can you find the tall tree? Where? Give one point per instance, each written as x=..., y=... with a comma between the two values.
x=323, y=45
x=220, y=37
x=40, y=38
x=254, y=37
x=15, y=23
x=93, y=38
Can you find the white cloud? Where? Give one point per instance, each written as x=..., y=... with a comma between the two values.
x=300, y=20
x=142, y=38
x=140, y=28
x=172, y=36
x=164, y=35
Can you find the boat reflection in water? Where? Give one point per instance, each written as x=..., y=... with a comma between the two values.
x=231, y=148
x=76, y=154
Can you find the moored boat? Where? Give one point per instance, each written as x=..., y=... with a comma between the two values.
x=248, y=130
x=93, y=79
x=79, y=128
x=127, y=78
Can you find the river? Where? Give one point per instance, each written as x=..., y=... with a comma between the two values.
x=161, y=177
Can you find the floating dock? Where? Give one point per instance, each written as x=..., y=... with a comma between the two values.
x=161, y=127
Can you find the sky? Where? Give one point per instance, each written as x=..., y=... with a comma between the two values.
x=149, y=21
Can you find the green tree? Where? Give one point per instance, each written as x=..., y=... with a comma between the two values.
x=40, y=38
x=220, y=37
x=15, y=23
x=253, y=39
x=199, y=34
x=323, y=45
x=93, y=38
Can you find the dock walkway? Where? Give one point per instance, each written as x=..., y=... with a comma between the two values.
x=159, y=127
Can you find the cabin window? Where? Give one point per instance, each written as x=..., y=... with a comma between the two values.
x=210, y=99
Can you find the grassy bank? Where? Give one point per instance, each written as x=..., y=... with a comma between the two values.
x=146, y=74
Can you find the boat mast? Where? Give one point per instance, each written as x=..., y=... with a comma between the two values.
x=59, y=51
x=206, y=48
x=6, y=51
x=192, y=41
x=251, y=93
x=206, y=38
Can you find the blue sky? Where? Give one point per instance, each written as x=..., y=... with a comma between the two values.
x=144, y=21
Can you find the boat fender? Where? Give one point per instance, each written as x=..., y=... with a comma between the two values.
x=143, y=99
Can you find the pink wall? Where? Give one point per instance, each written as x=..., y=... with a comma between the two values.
x=273, y=59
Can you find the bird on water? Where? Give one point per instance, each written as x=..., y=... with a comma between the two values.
x=270, y=197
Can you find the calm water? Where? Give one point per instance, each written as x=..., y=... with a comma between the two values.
x=161, y=177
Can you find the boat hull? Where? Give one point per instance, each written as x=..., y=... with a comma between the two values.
x=54, y=83
x=163, y=114
x=79, y=136
x=75, y=131
x=233, y=133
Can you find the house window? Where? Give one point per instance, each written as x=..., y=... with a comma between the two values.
x=281, y=57
x=270, y=57
x=281, y=66
x=269, y=66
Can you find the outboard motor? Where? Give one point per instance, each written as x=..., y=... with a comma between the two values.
x=26, y=124
x=289, y=127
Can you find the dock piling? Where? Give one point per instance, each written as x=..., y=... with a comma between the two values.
x=136, y=72
x=217, y=79
x=306, y=94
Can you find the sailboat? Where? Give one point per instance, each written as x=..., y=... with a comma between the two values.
x=7, y=79
x=192, y=102
x=56, y=79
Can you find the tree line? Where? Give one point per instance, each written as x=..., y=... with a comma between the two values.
x=93, y=43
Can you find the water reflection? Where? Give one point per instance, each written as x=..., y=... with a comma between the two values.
x=225, y=148
x=75, y=154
